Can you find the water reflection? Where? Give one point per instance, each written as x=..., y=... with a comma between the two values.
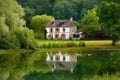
x=60, y=61
x=15, y=65
x=31, y=65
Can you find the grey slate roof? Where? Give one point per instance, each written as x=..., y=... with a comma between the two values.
x=61, y=23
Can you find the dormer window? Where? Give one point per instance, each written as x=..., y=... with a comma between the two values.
x=61, y=24
x=53, y=23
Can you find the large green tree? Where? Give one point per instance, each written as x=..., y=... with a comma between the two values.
x=109, y=13
x=11, y=14
x=38, y=24
x=13, y=32
x=90, y=24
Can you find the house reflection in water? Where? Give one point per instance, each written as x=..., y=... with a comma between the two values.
x=61, y=61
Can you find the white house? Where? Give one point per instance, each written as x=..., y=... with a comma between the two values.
x=61, y=61
x=61, y=29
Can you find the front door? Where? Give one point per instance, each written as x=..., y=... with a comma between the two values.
x=56, y=36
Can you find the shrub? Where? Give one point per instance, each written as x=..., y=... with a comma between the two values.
x=55, y=45
x=82, y=44
x=19, y=38
x=71, y=44
x=9, y=42
x=26, y=38
x=62, y=45
x=106, y=77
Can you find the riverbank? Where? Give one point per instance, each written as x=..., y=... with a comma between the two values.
x=81, y=44
x=70, y=45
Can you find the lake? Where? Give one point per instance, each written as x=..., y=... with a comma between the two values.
x=32, y=65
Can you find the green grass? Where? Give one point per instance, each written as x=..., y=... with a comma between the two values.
x=59, y=44
x=89, y=44
x=107, y=77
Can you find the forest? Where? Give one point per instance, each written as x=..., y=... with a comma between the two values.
x=24, y=21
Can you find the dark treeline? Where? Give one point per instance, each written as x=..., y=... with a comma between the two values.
x=60, y=9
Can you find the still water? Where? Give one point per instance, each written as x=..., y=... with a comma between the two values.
x=32, y=65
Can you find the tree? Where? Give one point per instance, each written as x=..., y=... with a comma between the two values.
x=40, y=6
x=60, y=9
x=84, y=5
x=90, y=24
x=38, y=24
x=77, y=23
x=29, y=13
x=64, y=10
x=12, y=23
x=12, y=13
x=25, y=37
x=117, y=1
x=109, y=13
x=3, y=27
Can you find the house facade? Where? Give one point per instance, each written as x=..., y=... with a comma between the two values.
x=61, y=61
x=60, y=29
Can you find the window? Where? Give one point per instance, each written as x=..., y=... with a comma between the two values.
x=63, y=58
x=53, y=66
x=56, y=36
x=51, y=30
x=50, y=37
x=61, y=24
x=62, y=66
x=63, y=29
x=57, y=58
x=51, y=58
x=52, y=22
x=57, y=29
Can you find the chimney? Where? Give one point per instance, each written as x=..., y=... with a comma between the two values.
x=71, y=19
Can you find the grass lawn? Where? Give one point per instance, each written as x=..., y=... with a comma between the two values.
x=89, y=44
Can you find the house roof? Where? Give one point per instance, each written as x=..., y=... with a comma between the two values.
x=61, y=23
x=78, y=30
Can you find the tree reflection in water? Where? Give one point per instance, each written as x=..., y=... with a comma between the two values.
x=31, y=65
